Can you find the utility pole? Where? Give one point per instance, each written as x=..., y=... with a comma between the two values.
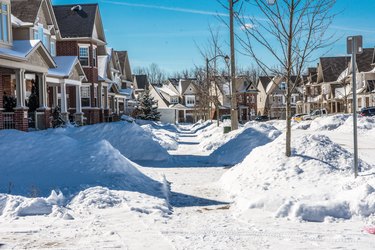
x=234, y=112
x=354, y=47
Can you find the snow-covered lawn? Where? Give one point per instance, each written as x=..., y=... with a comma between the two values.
x=265, y=201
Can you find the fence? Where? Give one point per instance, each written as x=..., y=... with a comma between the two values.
x=9, y=120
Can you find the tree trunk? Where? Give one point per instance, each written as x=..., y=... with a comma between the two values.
x=288, y=142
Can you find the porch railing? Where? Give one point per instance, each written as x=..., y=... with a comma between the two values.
x=9, y=120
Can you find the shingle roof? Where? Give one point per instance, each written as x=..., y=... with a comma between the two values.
x=76, y=23
x=265, y=80
x=333, y=66
x=312, y=73
x=141, y=81
x=364, y=60
x=26, y=10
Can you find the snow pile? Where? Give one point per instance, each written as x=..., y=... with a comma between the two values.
x=129, y=138
x=363, y=124
x=328, y=122
x=166, y=138
x=41, y=162
x=315, y=184
x=236, y=145
x=102, y=198
x=13, y=206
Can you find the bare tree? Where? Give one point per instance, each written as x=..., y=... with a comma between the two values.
x=154, y=74
x=213, y=55
x=290, y=31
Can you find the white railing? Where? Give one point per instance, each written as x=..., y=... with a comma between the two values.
x=9, y=120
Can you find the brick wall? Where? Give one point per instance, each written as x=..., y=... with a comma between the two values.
x=67, y=48
x=20, y=120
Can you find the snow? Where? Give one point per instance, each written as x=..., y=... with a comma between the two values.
x=315, y=184
x=20, y=48
x=64, y=67
x=266, y=201
x=129, y=138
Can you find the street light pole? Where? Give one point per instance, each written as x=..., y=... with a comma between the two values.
x=354, y=47
x=234, y=114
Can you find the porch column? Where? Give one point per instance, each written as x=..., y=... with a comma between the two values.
x=64, y=107
x=20, y=88
x=42, y=91
x=184, y=115
x=100, y=95
x=55, y=90
x=78, y=115
x=117, y=106
x=20, y=112
x=105, y=97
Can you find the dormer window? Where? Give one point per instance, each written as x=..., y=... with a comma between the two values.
x=174, y=100
x=4, y=20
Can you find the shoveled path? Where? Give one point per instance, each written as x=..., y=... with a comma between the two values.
x=215, y=226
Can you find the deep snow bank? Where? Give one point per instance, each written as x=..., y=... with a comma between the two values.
x=315, y=183
x=163, y=135
x=129, y=138
x=33, y=164
x=231, y=148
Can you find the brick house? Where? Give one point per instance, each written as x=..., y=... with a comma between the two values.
x=246, y=97
x=29, y=67
x=82, y=35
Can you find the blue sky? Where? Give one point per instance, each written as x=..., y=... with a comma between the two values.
x=167, y=32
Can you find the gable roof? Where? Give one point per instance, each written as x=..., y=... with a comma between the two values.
x=332, y=67
x=23, y=49
x=65, y=66
x=125, y=64
x=365, y=59
x=28, y=14
x=141, y=81
x=264, y=80
x=78, y=23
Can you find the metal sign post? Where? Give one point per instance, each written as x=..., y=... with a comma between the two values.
x=354, y=47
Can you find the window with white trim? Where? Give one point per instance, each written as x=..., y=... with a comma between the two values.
x=4, y=22
x=85, y=96
x=84, y=56
x=174, y=100
x=190, y=100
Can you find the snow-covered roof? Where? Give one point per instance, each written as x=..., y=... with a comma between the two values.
x=167, y=90
x=127, y=91
x=18, y=23
x=20, y=49
x=65, y=65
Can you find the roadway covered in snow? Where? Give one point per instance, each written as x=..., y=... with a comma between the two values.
x=210, y=204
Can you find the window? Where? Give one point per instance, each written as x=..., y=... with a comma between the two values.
x=84, y=56
x=282, y=86
x=4, y=21
x=85, y=96
x=190, y=100
x=53, y=48
x=94, y=57
x=174, y=100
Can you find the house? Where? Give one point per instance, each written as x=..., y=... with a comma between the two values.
x=82, y=35
x=247, y=94
x=31, y=74
x=365, y=79
x=246, y=97
x=177, y=101
x=263, y=104
x=271, y=99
